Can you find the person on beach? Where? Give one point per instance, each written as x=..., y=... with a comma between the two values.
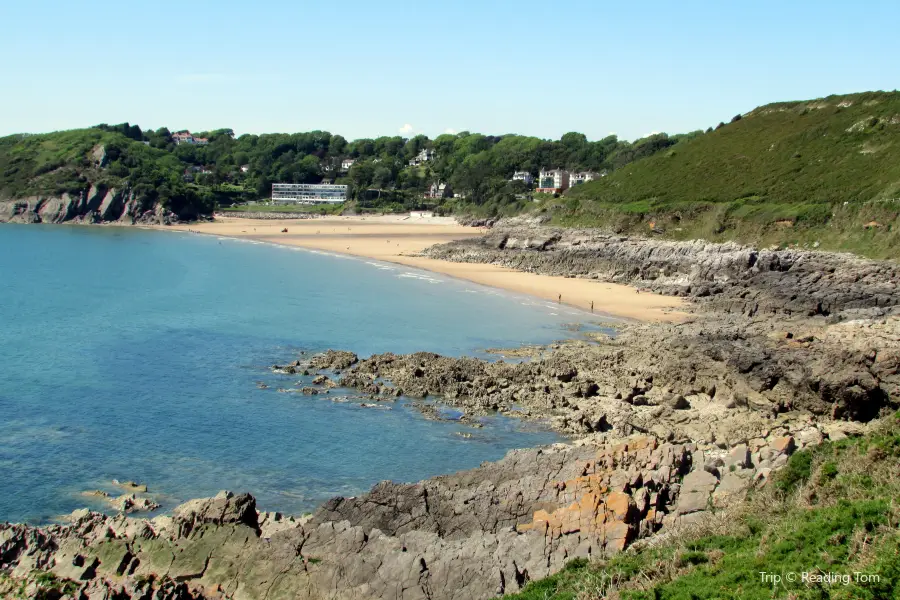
x=559, y=299
x=592, y=306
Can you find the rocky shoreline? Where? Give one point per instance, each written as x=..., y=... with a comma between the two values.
x=669, y=422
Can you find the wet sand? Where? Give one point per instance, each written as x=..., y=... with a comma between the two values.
x=397, y=238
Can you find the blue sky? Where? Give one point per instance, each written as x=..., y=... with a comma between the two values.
x=364, y=69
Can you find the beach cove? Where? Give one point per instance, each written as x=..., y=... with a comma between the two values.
x=154, y=370
x=400, y=239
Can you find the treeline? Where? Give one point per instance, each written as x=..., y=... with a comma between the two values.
x=477, y=167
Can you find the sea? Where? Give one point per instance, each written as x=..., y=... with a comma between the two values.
x=143, y=355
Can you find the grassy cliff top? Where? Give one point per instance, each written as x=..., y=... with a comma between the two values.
x=68, y=161
x=831, y=510
x=825, y=170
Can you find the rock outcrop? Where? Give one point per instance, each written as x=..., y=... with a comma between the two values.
x=697, y=381
x=474, y=534
x=97, y=204
x=725, y=277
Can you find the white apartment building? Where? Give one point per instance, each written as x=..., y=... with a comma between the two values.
x=308, y=193
x=553, y=181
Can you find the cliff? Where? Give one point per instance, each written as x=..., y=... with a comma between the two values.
x=97, y=204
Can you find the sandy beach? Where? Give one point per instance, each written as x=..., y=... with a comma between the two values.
x=396, y=239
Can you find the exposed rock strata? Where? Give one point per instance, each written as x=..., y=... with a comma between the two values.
x=697, y=381
x=97, y=204
x=726, y=277
x=474, y=534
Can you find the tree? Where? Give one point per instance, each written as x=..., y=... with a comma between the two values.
x=337, y=145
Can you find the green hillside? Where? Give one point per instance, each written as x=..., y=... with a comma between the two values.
x=824, y=171
x=72, y=161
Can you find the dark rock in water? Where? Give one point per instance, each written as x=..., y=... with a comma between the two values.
x=333, y=360
x=323, y=380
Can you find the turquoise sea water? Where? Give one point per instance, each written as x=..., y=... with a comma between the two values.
x=136, y=354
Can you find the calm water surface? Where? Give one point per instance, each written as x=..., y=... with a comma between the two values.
x=136, y=354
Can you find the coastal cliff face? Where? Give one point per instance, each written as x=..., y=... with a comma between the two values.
x=98, y=204
x=671, y=422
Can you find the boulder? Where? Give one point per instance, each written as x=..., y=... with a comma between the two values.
x=224, y=508
x=695, y=492
x=738, y=458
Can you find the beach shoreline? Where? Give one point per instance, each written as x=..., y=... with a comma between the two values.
x=399, y=240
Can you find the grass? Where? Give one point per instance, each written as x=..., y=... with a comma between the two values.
x=40, y=585
x=832, y=512
x=324, y=209
x=825, y=171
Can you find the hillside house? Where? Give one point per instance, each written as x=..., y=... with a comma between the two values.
x=439, y=190
x=553, y=181
x=582, y=177
x=185, y=137
x=525, y=176
x=347, y=163
x=422, y=157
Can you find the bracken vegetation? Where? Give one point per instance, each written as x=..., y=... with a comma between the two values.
x=824, y=171
x=825, y=527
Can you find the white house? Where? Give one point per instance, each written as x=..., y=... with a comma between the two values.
x=439, y=190
x=423, y=156
x=185, y=137
x=553, y=181
x=347, y=163
x=525, y=176
x=245, y=168
x=582, y=177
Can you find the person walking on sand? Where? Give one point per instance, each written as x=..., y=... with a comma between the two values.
x=592, y=306
x=559, y=299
